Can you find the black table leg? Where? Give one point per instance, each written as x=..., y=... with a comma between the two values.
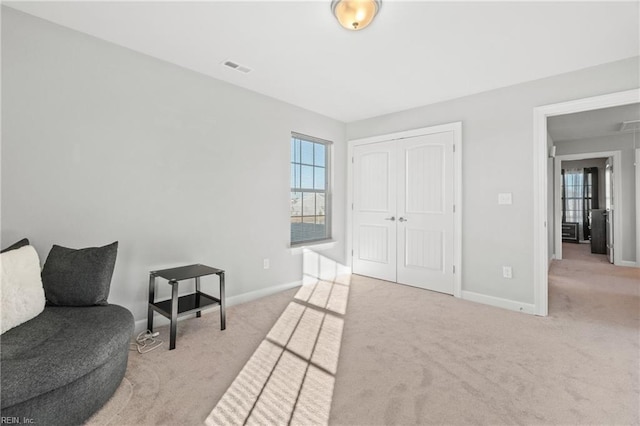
x=152, y=297
x=198, y=314
x=222, y=313
x=174, y=314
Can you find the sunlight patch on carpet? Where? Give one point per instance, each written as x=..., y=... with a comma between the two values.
x=290, y=377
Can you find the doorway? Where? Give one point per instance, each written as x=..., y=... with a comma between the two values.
x=405, y=196
x=541, y=226
x=583, y=204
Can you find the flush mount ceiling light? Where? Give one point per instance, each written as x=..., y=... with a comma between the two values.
x=355, y=14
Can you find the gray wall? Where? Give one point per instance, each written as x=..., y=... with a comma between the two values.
x=624, y=143
x=100, y=143
x=497, y=137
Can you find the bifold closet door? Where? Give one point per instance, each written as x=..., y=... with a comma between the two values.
x=403, y=219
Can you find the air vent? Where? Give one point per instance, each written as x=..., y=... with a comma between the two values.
x=237, y=67
x=630, y=126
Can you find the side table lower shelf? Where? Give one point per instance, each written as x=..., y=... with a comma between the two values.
x=189, y=304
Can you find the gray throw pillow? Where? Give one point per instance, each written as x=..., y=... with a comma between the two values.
x=23, y=242
x=79, y=277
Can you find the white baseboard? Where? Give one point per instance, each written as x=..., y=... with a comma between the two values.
x=527, y=308
x=159, y=320
x=257, y=294
x=627, y=263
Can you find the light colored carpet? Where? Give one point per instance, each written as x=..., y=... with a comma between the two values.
x=416, y=357
x=410, y=356
x=183, y=385
x=290, y=377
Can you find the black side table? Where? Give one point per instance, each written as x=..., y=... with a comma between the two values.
x=191, y=303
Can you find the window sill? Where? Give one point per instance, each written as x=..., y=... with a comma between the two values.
x=315, y=246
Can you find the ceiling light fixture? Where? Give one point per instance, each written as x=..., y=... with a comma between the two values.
x=355, y=14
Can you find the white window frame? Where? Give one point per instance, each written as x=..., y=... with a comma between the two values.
x=327, y=190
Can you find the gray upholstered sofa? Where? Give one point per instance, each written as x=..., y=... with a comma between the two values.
x=62, y=365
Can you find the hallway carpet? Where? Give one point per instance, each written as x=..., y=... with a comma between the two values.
x=410, y=356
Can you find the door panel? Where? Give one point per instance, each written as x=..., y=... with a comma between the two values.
x=425, y=211
x=424, y=249
x=374, y=181
x=374, y=233
x=424, y=179
x=374, y=243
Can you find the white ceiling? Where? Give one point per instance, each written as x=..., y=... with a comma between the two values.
x=413, y=54
x=592, y=124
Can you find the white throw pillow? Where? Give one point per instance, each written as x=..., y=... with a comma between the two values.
x=21, y=292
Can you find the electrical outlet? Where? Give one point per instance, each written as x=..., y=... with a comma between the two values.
x=265, y=263
x=507, y=272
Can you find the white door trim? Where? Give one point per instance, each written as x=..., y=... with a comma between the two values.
x=617, y=196
x=457, y=140
x=637, y=164
x=540, y=235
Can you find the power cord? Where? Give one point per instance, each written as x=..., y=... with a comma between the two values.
x=146, y=342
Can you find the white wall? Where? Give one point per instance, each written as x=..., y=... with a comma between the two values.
x=623, y=142
x=100, y=143
x=497, y=137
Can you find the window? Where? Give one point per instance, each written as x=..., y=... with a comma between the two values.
x=310, y=197
x=572, y=195
x=579, y=197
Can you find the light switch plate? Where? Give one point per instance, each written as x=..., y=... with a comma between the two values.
x=505, y=198
x=507, y=272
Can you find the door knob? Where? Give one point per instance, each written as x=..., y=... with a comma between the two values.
x=392, y=218
x=402, y=219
